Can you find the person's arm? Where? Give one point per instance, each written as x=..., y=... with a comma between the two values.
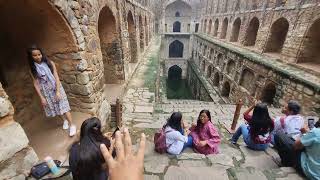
x=37, y=87
x=305, y=140
x=214, y=136
x=298, y=145
x=178, y=136
x=56, y=77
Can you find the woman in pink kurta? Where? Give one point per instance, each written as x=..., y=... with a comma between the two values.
x=206, y=138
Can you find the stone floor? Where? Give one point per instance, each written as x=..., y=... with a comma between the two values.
x=142, y=114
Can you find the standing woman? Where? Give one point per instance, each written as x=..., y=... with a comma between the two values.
x=47, y=84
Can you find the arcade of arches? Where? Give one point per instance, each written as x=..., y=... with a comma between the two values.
x=92, y=53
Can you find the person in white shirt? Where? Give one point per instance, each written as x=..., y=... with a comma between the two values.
x=176, y=134
x=292, y=122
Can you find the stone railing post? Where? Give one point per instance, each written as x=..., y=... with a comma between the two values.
x=118, y=113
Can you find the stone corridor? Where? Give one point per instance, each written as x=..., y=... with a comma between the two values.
x=142, y=114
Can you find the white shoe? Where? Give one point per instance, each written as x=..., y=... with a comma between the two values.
x=65, y=125
x=72, y=130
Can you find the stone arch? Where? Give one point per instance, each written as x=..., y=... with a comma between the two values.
x=216, y=27
x=216, y=79
x=209, y=27
x=203, y=66
x=177, y=14
x=246, y=79
x=176, y=27
x=224, y=28
x=235, y=30
x=176, y=49
x=174, y=73
x=141, y=29
x=22, y=24
x=310, y=51
x=230, y=67
x=225, y=89
x=219, y=60
x=132, y=37
x=110, y=46
x=252, y=32
x=209, y=71
x=278, y=34
x=269, y=93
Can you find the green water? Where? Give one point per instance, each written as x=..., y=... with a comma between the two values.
x=178, y=89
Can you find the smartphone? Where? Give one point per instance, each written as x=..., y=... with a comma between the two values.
x=311, y=123
x=114, y=133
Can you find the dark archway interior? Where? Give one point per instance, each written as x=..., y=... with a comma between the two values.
x=224, y=28
x=225, y=90
x=209, y=71
x=209, y=26
x=132, y=38
x=252, y=31
x=176, y=26
x=235, y=30
x=216, y=79
x=278, y=35
x=174, y=73
x=216, y=26
x=110, y=45
x=177, y=14
x=176, y=49
x=269, y=93
x=141, y=29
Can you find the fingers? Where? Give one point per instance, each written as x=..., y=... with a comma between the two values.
x=119, y=146
x=142, y=147
x=127, y=142
x=106, y=155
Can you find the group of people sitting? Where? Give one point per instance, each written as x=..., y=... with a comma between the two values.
x=97, y=157
x=297, y=145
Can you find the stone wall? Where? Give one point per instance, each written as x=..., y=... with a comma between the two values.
x=249, y=74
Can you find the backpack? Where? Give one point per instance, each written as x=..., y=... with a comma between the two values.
x=159, y=140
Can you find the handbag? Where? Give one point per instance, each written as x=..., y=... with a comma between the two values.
x=40, y=170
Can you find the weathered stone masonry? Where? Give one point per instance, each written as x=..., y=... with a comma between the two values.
x=90, y=43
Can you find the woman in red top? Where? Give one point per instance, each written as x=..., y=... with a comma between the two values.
x=257, y=134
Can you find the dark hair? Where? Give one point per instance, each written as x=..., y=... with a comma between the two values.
x=90, y=158
x=294, y=107
x=175, y=121
x=31, y=60
x=261, y=122
x=199, y=124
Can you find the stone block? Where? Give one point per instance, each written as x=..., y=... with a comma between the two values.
x=221, y=159
x=83, y=65
x=156, y=164
x=246, y=174
x=81, y=89
x=191, y=156
x=12, y=140
x=196, y=173
x=192, y=163
x=4, y=107
x=19, y=164
x=291, y=177
x=146, y=109
x=83, y=78
x=151, y=177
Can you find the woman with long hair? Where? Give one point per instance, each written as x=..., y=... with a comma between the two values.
x=85, y=158
x=257, y=134
x=176, y=134
x=48, y=86
x=206, y=138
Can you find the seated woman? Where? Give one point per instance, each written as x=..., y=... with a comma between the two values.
x=85, y=158
x=175, y=140
x=256, y=135
x=206, y=138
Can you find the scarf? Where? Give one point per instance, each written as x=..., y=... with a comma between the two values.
x=45, y=74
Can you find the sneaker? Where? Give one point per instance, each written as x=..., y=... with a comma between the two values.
x=65, y=125
x=72, y=130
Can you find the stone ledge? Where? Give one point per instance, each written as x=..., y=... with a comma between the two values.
x=282, y=68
